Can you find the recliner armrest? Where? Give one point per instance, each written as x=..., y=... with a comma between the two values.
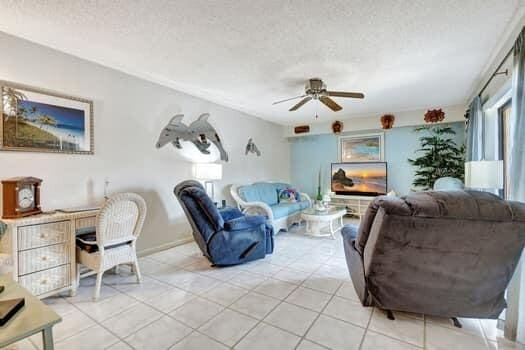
x=244, y=223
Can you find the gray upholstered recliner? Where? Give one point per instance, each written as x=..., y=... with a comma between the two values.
x=449, y=254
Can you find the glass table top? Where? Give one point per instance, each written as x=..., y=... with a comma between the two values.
x=329, y=211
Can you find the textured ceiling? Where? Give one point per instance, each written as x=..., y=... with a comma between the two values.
x=246, y=54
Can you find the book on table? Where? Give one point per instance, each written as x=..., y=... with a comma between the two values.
x=9, y=308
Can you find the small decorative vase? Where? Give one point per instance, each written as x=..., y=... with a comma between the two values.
x=319, y=206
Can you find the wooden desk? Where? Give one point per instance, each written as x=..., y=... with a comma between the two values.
x=33, y=318
x=42, y=248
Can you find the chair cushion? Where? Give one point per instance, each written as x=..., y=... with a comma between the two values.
x=88, y=242
x=285, y=209
x=259, y=192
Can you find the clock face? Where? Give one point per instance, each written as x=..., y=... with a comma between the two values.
x=26, y=197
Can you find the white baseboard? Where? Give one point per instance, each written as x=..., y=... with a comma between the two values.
x=165, y=246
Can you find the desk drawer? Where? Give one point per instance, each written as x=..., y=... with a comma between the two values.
x=46, y=281
x=38, y=259
x=35, y=236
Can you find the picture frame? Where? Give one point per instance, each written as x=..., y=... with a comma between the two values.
x=362, y=148
x=39, y=120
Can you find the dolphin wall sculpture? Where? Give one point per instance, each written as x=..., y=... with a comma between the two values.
x=252, y=148
x=200, y=133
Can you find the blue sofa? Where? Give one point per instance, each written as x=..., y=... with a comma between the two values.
x=225, y=237
x=261, y=198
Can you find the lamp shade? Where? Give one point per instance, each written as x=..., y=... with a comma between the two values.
x=484, y=174
x=207, y=171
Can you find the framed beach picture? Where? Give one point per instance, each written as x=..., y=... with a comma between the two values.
x=361, y=148
x=37, y=120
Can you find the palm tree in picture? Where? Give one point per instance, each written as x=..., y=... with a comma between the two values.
x=32, y=111
x=10, y=98
x=20, y=113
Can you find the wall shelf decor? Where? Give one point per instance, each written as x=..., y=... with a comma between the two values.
x=387, y=121
x=38, y=120
x=301, y=129
x=337, y=127
x=434, y=115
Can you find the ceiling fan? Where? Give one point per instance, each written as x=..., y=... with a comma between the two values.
x=315, y=89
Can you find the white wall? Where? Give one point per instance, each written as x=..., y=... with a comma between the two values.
x=129, y=114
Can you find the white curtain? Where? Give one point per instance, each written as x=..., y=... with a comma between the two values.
x=475, y=132
x=517, y=124
x=516, y=291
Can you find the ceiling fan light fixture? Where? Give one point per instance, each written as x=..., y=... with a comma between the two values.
x=315, y=89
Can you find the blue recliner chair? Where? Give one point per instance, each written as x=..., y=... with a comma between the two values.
x=225, y=237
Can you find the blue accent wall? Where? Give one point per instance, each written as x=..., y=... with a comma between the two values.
x=308, y=154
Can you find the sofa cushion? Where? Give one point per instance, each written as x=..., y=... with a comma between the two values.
x=284, y=209
x=260, y=192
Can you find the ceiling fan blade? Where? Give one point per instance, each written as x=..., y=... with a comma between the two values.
x=346, y=94
x=302, y=102
x=288, y=99
x=328, y=102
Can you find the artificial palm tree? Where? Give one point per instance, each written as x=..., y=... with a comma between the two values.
x=440, y=156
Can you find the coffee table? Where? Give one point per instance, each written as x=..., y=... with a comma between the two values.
x=317, y=221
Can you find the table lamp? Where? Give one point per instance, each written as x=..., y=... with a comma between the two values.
x=208, y=172
x=484, y=174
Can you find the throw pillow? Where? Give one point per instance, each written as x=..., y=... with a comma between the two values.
x=288, y=195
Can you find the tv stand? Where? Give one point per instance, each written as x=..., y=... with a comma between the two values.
x=355, y=205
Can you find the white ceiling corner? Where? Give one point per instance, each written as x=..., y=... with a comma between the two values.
x=247, y=54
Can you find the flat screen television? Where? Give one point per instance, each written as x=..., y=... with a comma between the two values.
x=362, y=179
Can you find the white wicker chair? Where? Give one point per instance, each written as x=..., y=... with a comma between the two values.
x=119, y=224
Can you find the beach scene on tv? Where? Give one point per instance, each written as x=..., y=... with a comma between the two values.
x=359, y=178
x=45, y=126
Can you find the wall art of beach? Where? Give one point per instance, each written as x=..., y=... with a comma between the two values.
x=361, y=149
x=41, y=125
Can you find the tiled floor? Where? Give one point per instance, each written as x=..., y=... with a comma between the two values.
x=301, y=297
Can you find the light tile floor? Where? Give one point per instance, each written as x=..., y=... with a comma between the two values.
x=301, y=297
